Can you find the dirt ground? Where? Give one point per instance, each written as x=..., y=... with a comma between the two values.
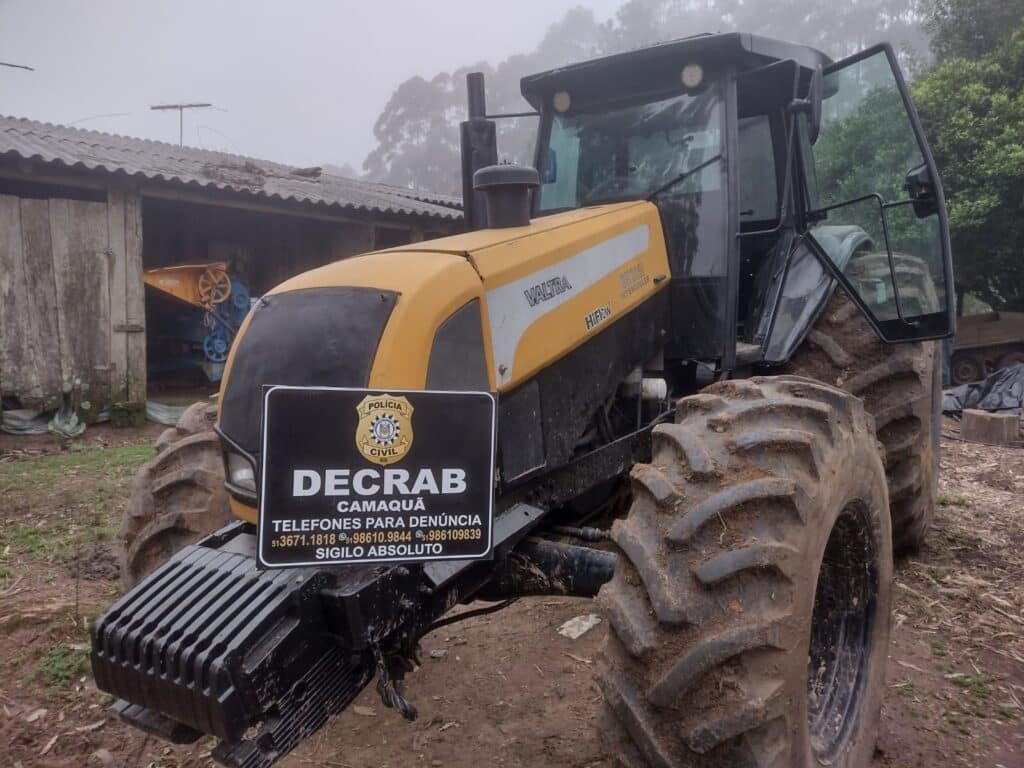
x=504, y=689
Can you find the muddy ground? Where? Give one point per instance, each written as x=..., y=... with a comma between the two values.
x=504, y=689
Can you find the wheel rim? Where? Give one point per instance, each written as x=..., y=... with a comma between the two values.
x=842, y=632
x=965, y=371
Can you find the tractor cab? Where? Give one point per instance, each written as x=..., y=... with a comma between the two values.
x=774, y=171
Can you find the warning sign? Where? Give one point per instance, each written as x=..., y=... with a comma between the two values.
x=357, y=476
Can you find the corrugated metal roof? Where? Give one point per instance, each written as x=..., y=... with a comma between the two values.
x=159, y=161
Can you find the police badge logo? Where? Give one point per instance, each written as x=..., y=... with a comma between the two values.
x=384, y=432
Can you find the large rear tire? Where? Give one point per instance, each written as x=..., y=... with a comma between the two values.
x=749, y=614
x=177, y=497
x=901, y=386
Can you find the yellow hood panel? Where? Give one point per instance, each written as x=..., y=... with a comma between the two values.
x=545, y=288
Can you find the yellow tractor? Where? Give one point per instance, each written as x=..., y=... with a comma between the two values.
x=687, y=366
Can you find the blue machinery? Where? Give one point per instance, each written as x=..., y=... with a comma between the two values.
x=193, y=314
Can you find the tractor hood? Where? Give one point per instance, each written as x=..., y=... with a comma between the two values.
x=484, y=310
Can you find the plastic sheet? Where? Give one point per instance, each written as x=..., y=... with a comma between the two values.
x=160, y=413
x=64, y=421
x=1002, y=392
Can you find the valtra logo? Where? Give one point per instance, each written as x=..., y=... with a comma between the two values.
x=384, y=433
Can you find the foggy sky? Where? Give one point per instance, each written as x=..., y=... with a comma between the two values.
x=297, y=81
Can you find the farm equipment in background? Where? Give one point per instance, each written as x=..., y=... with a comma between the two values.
x=195, y=312
x=987, y=343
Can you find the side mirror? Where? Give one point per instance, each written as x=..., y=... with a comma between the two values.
x=811, y=106
x=921, y=189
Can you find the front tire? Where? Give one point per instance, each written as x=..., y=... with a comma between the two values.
x=177, y=498
x=749, y=615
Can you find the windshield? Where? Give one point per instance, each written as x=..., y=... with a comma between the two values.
x=629, y=152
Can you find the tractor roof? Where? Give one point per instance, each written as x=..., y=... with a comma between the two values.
x=621, y=70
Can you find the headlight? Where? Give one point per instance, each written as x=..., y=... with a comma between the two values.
x=241, y=472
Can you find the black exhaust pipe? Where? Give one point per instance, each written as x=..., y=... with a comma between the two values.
x=479, y=146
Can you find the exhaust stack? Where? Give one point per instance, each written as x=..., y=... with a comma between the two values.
x=479, y=145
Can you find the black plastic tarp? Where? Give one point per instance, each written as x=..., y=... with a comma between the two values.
x=1001, y=392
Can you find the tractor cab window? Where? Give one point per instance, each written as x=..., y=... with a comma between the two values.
x=874, y=199
x=609, y=154
x=668, y=150
x=759, y=194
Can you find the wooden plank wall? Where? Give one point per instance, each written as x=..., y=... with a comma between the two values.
x=82, y=263
x=29, y=336
x=118, y=301
x=135, y=299
x=72, y=303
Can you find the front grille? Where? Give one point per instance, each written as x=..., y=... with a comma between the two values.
x=324, y=337
x=208, y=643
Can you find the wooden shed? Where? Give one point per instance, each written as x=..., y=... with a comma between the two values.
x=83, y=214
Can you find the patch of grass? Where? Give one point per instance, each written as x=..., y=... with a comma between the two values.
x=55, y=540
x=103, y=532
x=68, y=500
x=946, y=500
x=1006, y=712
x=937, y=648
x=958, y=721
x=47, y=544
x=40, y=476
x=59, y=666
x=908, y=689
x=978, y=688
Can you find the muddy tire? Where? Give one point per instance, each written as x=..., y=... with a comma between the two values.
x=749, y=614
x=177, y=497
x=901, y=385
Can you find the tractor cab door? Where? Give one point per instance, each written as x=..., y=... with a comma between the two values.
x=874, y=209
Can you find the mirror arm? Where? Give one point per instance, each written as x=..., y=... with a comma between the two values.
x=801, y=106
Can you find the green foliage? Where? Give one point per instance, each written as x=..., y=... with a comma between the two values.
x=973, y=112
x=970, y=29
x=945, y=500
